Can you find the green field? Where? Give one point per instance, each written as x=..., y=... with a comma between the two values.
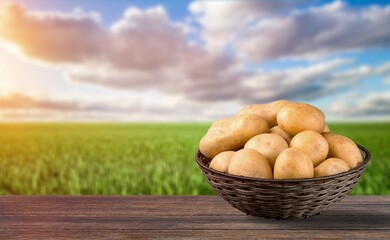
x=137, y=158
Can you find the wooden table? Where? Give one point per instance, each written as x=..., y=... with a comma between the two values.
x=194, y=217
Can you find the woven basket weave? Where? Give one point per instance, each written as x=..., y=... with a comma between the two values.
x=282, y=199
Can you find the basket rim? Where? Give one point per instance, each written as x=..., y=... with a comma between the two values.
x=362, y=166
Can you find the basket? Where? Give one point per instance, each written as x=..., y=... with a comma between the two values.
x=282, y=199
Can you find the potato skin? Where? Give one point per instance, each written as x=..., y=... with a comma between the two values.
x=267, y=111
x=343, y=148
x=294, y=118
x=221, y=161
x=231, y=134
x=249, y=163
x=331, y=166
x=292, y=163
x=278, y=131
x=269, y=145
x=313, y=144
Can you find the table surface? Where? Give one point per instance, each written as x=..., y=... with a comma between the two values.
x=194, y=217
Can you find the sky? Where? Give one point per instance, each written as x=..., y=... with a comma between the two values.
x=193, y=60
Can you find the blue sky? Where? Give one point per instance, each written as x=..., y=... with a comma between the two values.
x=147, y=63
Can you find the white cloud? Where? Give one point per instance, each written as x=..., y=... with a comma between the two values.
x=51, y=36
x=371, y=105
x=306, y=83
x=260, y=33
x=362, y=72
x=133, y=107
x=317, y=32
x=299, y=83
x=224, y=21
x=147, y=40
x=145, y=50
x=142, y=50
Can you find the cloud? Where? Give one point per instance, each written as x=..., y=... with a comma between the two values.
x=142, y=40
x=307, y=83
x=364, y=71
x=223, y=21
x=142, y=50
x=294, y=83
x=135, y=107
x=312, y=32
x=317, y=32
x=131, y=43
x=145, y=50
x=319, y=79
x=147, y=40
x=51, y=36
x=373, y=104
x=21, y=101
x=17, y=100
x=184, y=79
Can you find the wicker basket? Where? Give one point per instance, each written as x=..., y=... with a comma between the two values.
x=282, y=199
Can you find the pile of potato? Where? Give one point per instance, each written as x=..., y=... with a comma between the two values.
x=280, y=140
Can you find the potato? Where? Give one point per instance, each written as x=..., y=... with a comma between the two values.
x=326, y=128
x=269, y=145
x=331, y=166
x=278, y=131
x=267, y=111
x=231, y=134
x=293, y=163
x=249, y=163
x=298, y=117
x=343, y=148
x=313, y=144
x=221, y=161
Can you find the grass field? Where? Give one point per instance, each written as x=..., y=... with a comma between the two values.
x=137, y=158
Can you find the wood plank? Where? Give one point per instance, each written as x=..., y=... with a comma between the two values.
x=195, y=234
x=53, y=210
x=196, y=217
x=379, y=222
x=151, y=198
x=144, y=206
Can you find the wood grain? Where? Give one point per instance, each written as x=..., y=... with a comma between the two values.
x=178, y=217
